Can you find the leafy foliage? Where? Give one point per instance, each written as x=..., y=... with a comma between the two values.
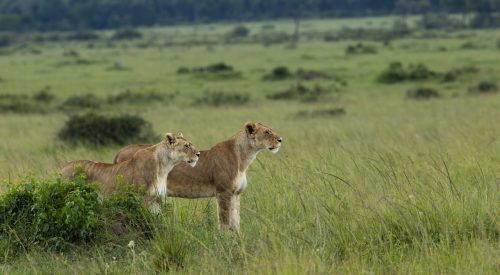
x=422, y=93
x=301, y=92
x=218, y=98
x=97, y=130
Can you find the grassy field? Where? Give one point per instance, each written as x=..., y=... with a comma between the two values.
x=393, y=185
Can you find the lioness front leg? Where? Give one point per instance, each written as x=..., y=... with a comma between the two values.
x=234, y=223
x=227, y=209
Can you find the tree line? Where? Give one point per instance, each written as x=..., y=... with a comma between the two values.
x=26, y=15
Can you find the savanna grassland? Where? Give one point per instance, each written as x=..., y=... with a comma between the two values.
x=374, y=175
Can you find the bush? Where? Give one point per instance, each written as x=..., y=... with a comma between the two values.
x=219, y=71
x=216, y=99
x=6, y=40
x=422, y=93
x=88, y=101
x=312, y=74
x=97, y=130
x=131, y=97
x=126, y=34
x=278, y=73
x=44, y=95
x=360, y=48
x=52, y=214
x=438, y=21
x=300, y=92
x=397, y=73
x=240, y=31
x=10, y=103
x=83, y=35
x=270, y=38
x=453, y=74
x=332, y=112
x=484, y=87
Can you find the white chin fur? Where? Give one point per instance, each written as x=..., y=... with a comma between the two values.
x=193, y=164
x=275, y=150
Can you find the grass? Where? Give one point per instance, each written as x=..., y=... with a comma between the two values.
x=391, y=186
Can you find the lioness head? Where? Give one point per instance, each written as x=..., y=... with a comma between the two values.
x=263, y=137
x=181, y=149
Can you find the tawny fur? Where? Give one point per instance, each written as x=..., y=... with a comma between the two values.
x=220, y=172
x=147, y=168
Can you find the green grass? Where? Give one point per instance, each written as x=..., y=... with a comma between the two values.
x=393, y=186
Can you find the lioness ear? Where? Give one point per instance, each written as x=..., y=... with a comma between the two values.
x=169, y=138
x=180, y=134
x=250, y=128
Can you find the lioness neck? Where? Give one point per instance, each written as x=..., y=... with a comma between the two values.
x=165, y=162
x=244, y=150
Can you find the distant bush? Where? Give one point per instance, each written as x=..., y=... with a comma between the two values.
x=240, y=31
x=397, y=73
x=126, y=34
x=131, y=97
x=82, y=35
x=484, y=87
x=44, y=95
x=422, y=93
x=97, y=130
x=485, y=20
x=88, y=101
x=312, y=74
x=398, y=31
x=470, y=45
x=453, y=74
x=10, y=103
x=71, y=53
x=360, y=48
x=332, y=112
x=54, y=214
x=218, y=98
x=219, y=70
x=301, y=93
x=279, y=73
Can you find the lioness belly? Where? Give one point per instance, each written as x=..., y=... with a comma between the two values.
x=190, y=190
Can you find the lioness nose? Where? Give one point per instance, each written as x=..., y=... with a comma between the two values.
x=197, y=154
x=280, y=140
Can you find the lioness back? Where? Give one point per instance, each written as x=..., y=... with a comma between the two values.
x=128, y=152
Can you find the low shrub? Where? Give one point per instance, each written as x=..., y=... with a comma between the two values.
x=422, y=93
x=132, y=98
x=312, y=74
x=240, y=31
x=10, y=103
x=44, y=95
x=71, y=53
x=126, y=34
x=97, y=130
x=218, y=71
x=397, y=73
x=360, y=48
x=438, y=21
x=217, y=98
x=331, y=112
x=300, y=92
x=453, y=74
x=54, y=214
x=279, y=73
x=269, y=38
x=88, y=101
x=82, y=35
x=484, y=87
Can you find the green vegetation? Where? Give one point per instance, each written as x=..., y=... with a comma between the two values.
x=367, y=180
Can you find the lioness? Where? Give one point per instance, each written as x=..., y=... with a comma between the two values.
x=220, y=172
x=147, y=168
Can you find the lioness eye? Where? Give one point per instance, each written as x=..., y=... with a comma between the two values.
x=267, y=132
x=187, y=146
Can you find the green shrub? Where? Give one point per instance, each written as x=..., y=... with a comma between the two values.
x=10, y=103
x=422, y=93
x=279, y=73
x=88, y=101
x=360, y=48
x=134, y=98
x=397, y=73
x=50, y=213
x=218, y=71
x=97, y=130
x=312, y=74
x=484, y=87
x=269, y=38
x=217, y=98
x=44, y=95
x=82, y=35
x=126, y=34
x=300, y=92
x=453, y=74
x=54, y=214
x=331, y=112
x=240, y=31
